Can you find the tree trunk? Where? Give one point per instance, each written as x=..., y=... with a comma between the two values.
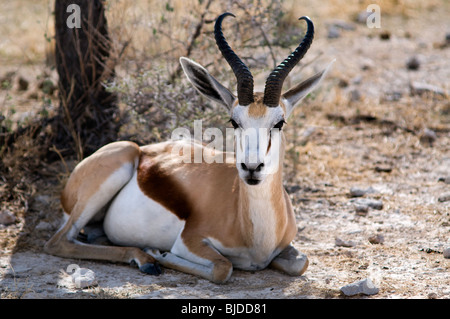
x=88, y=114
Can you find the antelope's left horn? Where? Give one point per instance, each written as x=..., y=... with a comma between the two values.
x=274, y=83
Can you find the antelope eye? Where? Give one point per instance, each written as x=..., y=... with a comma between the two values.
x=279, y=125
x=235, y=125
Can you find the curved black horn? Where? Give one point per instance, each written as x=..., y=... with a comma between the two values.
x=274, y=83
x=241, y=71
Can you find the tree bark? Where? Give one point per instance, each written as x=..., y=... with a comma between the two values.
x=88, y=114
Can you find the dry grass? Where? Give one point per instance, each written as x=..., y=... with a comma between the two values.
x=23, y=25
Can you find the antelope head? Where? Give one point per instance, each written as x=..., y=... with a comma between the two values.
x=257, y=117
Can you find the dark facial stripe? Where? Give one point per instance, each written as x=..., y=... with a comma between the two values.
x=270, y=144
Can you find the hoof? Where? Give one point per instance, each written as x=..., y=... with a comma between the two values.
x=303, y=264
x=151, y=269
x=292, y=262
x=155, y=253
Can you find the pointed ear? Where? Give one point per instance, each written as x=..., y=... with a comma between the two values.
x=296, y=94
x=206, y=84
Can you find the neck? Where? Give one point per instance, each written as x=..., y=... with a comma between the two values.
x=263, y=209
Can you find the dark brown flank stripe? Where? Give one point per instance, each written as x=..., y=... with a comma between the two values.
x=162, y=188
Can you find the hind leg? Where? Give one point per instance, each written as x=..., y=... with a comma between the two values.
x=92, y=185
x=65, y=244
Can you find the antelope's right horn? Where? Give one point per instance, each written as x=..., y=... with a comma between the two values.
x=241, y=71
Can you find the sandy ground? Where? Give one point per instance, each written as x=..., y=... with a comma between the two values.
x=408, y=264
x=337, y=146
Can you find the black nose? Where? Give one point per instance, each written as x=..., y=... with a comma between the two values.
x=252, y=170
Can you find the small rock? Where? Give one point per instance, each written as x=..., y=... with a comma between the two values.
x=355, y=95
x=17, y=271
x=446, y=180
x=428, y=136
x=430, y=251
x=446, y=252
x=444, y=197
x=365, y=287
x=383, y=169
x=432, y=295
x=333, y=33
x=372, y=203
x=385, y=35
x=356, y=80
x=359, y=192
x=343, y=243
x=413, y=63
x=344, y=25
x=292, y=189
x=376, y=239
x=363, y=16
x=361, y=210
x=393, y=96
x=84, y=278
x=43, y=226
x=7, y=218
x=418, y=88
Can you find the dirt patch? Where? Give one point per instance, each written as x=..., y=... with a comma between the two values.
x=408, y=263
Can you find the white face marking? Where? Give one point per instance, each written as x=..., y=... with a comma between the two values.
x=254, y=159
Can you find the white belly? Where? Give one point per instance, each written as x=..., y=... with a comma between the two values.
x=135, y=220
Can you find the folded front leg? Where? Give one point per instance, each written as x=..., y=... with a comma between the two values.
x=199, y=259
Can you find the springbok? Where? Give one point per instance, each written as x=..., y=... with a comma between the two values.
x=199, y=218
